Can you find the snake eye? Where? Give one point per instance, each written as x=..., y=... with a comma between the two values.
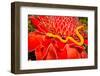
x=63, y=37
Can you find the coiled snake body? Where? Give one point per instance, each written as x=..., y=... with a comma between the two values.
x=69, y=37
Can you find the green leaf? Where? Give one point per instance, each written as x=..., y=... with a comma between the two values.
x=83, y=20
x=31, y=27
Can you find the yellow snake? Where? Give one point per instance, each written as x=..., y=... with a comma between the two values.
x=70, y=38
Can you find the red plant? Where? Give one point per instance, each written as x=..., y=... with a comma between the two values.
x=55, y=38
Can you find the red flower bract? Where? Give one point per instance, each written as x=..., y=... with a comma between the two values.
x=52, y=48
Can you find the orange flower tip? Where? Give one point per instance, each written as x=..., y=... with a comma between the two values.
x=84, y=54
x=86, y=42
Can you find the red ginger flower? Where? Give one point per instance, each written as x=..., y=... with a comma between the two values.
x=46, y=47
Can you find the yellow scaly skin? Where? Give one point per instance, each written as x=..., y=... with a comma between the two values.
x=70, y=38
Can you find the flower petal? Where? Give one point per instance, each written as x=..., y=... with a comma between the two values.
x=86, y=41
x=34, y=40
x=38, y=24
x=79, y=48
x=39, y=52
x=72, y=53
x=50, y=53
x=46, y=41
x=62, y=53
x=84, y=54
x=60, y=44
